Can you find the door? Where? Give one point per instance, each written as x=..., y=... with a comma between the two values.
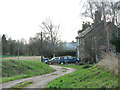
x=70, y=59
x=65, y=59
x=56, y=60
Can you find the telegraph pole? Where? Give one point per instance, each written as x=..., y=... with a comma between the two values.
x=118, y=21
x=18, y=50
x=41, y=47
x=41, y=52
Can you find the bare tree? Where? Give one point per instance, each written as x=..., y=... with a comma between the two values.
x=90, y=8
x=96, y=5
x=52, y=32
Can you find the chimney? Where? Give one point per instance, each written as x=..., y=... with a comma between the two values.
x=118, y=17
x=98, y=16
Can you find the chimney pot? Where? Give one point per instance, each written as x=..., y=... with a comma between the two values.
x=97, y=16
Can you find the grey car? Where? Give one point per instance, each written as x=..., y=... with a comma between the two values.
x=53, y=60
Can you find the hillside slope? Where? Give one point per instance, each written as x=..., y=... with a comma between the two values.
x=85, y=77
x=15, y=69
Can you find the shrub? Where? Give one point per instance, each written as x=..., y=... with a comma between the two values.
x=109, y=62
x=116, y=42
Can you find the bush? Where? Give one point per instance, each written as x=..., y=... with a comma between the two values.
x=110, y=63
x=116, y=42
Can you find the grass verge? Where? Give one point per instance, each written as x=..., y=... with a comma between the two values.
x=16, y=69
x=6, y=56
x=85, y=77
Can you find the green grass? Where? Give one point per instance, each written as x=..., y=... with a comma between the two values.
x=16, y=69
x=5, y=56
x=21, y=85
x=92, y=77
x=54, y=74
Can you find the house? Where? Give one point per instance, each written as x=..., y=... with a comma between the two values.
x=94, y=40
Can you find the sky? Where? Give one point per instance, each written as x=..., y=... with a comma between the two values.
x=21, y=18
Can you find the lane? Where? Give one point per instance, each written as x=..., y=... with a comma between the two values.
x=42, y=80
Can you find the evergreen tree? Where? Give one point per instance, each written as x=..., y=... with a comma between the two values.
x=4, y=45
x=116, y=42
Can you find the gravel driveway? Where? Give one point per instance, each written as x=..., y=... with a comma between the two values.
x=42, y=80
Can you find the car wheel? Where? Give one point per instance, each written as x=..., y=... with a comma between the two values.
x=76, y=62
x=50, y=63
x=62, y=63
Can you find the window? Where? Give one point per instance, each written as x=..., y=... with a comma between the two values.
x=78, y=42
x=70, y=57
x=83, y=42
x=56, y=58
x=78, y=53
x=65, y=57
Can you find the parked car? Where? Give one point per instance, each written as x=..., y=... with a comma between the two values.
x=45, y=60
x=53, y=60
x=68, y=59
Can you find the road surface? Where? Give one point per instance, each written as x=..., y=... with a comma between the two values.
x=42, y=80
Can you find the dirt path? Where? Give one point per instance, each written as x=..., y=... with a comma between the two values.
x=42, y=80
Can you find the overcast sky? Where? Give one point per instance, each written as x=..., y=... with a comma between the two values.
x=21, y=18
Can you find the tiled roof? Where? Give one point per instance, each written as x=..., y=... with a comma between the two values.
x=86, y=31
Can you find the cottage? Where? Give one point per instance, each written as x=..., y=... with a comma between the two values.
x=118, y=20
x=118, y=17
x=93, y=40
